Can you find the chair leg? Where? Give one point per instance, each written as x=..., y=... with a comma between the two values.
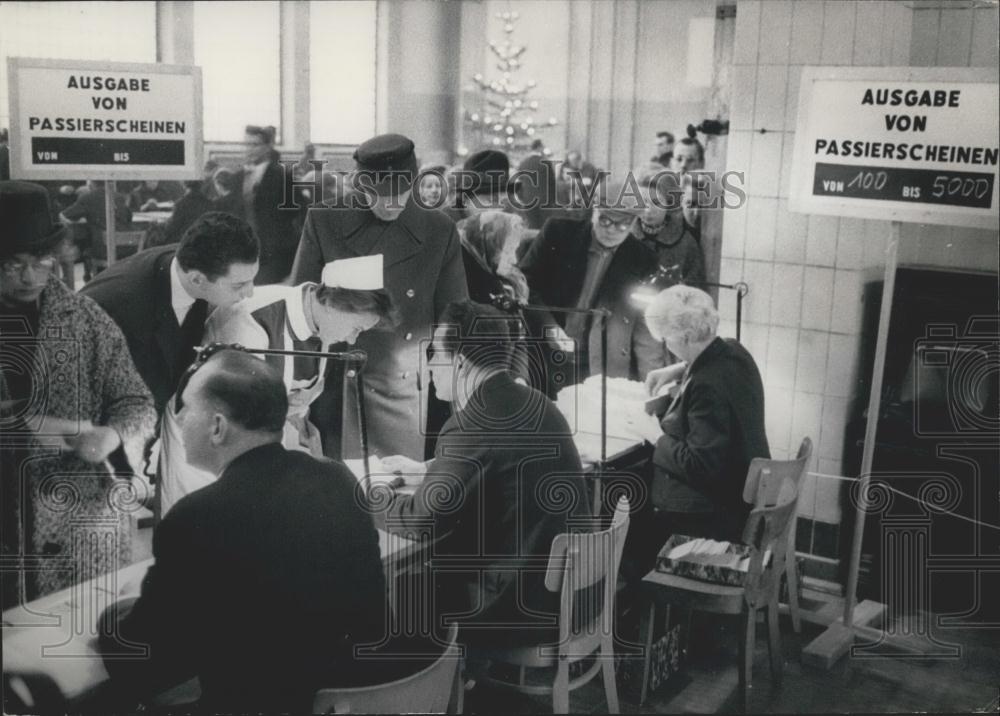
x=746, y=656
x=774, y=643
x=610, y=687
x=649, y=621
x=560, y=688
x=792, y=575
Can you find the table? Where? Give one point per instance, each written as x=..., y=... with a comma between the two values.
x=56, y=635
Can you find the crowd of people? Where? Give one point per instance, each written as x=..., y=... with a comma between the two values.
x=242, y=442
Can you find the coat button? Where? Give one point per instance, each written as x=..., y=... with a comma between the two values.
x=406, y=374
x=626, y=320
x=624, y=351
x=410, y=293
x=408, y=336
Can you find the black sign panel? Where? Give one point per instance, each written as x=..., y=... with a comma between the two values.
x=922, y=186
x=125, y=152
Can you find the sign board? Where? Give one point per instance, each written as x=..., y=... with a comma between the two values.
x=915, y=144
x=72, y=119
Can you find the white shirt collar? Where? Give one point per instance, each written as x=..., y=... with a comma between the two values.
x=296, y=312
x=180, y=300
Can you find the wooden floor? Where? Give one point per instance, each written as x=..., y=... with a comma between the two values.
x=966, y=683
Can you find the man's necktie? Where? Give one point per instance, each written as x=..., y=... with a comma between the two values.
x=191, y=333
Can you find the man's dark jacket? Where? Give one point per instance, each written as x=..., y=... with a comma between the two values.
x=505, y=480
x=556, y=265
x=135, y=292
x=712, y=431
x=264, y=582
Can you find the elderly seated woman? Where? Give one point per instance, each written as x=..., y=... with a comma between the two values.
x=704, y=443
x=75, y=414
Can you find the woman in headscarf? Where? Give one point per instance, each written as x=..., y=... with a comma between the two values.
x=489, y=250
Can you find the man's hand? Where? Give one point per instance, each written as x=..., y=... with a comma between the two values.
x=94, y=444
x=644, y=426
x=150, y=205
x=657, y=379
x=411, y=471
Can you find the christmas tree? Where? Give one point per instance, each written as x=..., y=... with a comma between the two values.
x=505, y=117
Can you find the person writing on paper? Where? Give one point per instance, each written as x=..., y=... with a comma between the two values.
x=506, y=478
x=349, y=300
x=266, y=581
x=712, y=430
x=75, y=413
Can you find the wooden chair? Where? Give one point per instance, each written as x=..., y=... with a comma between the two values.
x=766, y=531
x=782, y=469
x=431, y=690
x=577, y=563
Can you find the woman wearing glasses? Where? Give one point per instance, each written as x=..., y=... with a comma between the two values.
x=308, y=317
x=75, y=413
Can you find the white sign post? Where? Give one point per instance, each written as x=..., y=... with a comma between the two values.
x=903, y=144
x=72, y=119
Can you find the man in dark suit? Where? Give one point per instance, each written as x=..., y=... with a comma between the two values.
x=161, y=297
x=423, y=274
x=594, y=263
x=713, y=429
x=266, y=580
x=535, y=186
x=266, y=187
x=505, y=480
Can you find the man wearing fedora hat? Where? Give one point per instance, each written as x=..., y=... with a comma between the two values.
x=482, y=185
x=594, y=263
x=423, y=273
x=75, y=413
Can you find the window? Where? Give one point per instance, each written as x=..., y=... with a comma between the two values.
x=109, y=31
x=238, y=47
x=342, y=71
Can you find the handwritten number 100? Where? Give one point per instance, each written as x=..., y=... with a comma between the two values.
x=869, y=180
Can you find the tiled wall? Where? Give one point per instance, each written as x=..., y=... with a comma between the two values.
x=802, y=317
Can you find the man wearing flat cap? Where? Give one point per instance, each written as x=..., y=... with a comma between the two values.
x=423, y=273
x=594, y=263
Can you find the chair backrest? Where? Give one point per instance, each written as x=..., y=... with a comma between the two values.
x=758, y=493
x=427, y=691
x=767, y=532
x=580, y=561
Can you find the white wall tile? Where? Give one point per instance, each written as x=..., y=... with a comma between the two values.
x=810, y=372
x=777, y=416
x=923, y=42
x=807, y=32
x=901, y=34
x=769, y=108
x=730, y=270
x=754, y=339
x=734, y=228
x=828, y=500
x=790, y=234
x=868, y=33
x=786, y=295
x=782, y=347
x=747, y=33
x=807, y=422
x=776, y=31
x=842, y=366
x=831, y=439
x=817, y=298
x=762, y=218
x=838, y=33
x=727, y=329
x=757, y=304
x=744, y=91
x=807, y=496
x=764, y=174
x=874, y=242
x=954, y=37
x=787, y=154
x=850, y=243
x=984, y=38
x=821, y=243
x=847, y=295
x=792, y=97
